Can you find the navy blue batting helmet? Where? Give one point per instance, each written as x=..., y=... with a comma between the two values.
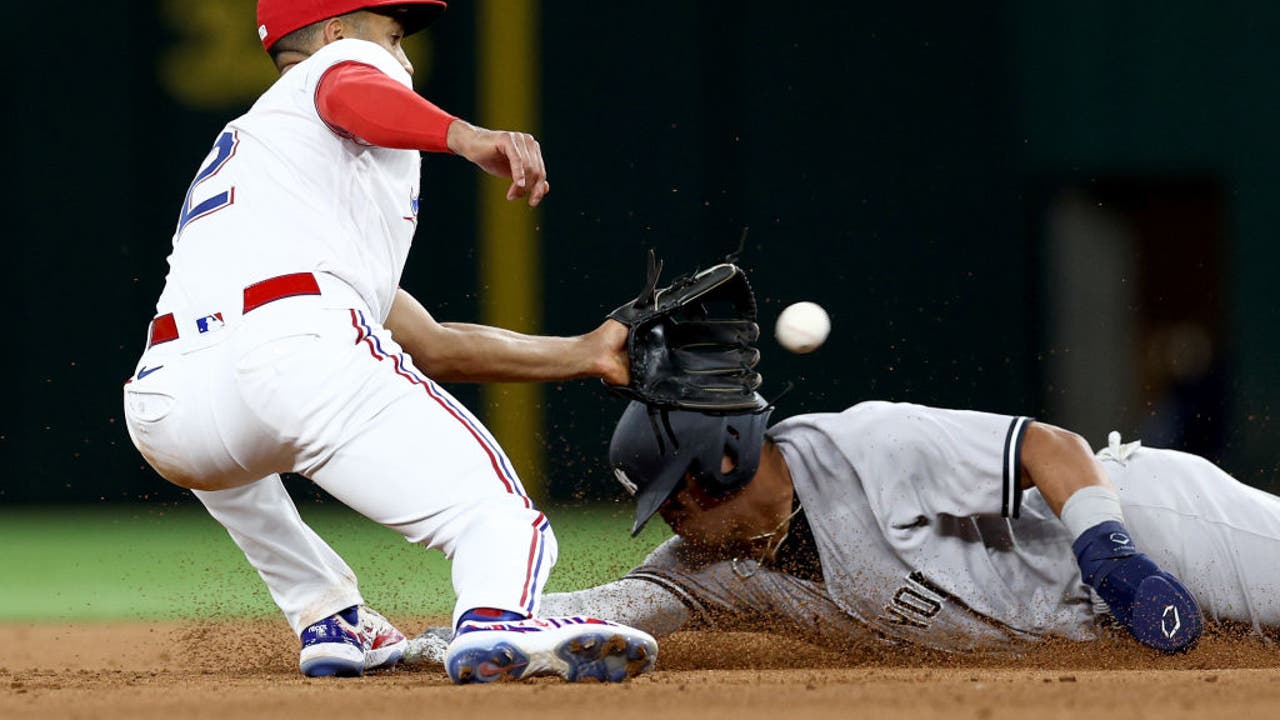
x=652, y=450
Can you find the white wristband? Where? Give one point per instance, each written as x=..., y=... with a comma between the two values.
x=1089, y=506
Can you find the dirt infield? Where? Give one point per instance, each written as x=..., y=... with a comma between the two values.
x=247, y=670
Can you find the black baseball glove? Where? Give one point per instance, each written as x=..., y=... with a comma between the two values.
x=691, y=344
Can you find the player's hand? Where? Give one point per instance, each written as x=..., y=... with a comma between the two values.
x=504, y=154
x=608, y=346
x=1153, y=605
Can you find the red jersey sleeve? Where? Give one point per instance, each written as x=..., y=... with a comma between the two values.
x=361, y=102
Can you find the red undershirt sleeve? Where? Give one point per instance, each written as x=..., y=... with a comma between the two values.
x=360, y=102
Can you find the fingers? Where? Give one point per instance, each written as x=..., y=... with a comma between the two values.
x=512, y=145
x=514, y=155
x=537, y=176
x=528, y=169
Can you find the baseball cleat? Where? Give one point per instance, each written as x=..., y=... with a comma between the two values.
x=350, y=642
x=574, y=648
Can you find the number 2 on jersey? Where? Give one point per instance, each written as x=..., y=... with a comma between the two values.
x=223, y=150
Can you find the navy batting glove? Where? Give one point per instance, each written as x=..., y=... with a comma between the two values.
x=1154, y=606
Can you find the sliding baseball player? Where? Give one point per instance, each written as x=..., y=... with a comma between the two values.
x=948, y=529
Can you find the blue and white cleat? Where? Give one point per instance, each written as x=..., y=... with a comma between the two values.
x=574, y=648
x=350, y=642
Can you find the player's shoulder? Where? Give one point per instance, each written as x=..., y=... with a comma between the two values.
x=880, y=415
x=295, y=90
x=305, y=76
x=867, y=419
x=880, y=424
x=355, y=50
x=926, y=418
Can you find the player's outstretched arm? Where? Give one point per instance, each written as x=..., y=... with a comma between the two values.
x=1153, y=605
x=638, y=603
x=362, y=103
x=462, y=352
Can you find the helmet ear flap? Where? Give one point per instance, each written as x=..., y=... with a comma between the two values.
x=731, y=453
x=729, y=458
x=741, y=440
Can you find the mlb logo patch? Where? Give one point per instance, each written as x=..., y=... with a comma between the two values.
x=209, y=322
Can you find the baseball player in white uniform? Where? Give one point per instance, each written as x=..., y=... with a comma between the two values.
x=955, y=530
x=282, y=343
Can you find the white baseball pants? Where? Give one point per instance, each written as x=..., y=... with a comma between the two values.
x=301, y=386
x=1216, y=534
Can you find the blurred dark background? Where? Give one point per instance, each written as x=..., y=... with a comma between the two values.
x=1065, y=210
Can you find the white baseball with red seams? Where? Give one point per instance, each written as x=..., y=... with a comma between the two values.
x=313, y=383
x=802, y=327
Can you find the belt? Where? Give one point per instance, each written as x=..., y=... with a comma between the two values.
x=165, y=328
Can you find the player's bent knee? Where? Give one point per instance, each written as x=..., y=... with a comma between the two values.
x=192, y=482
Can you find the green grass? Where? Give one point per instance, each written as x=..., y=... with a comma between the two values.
x=162, y=563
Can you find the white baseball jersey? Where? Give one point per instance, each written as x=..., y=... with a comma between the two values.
x=295, y=199
x=923, y=531
x=923, y=537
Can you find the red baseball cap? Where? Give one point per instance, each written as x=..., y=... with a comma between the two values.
x=277, y=18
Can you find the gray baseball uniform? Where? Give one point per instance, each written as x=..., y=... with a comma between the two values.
x=913, y=529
